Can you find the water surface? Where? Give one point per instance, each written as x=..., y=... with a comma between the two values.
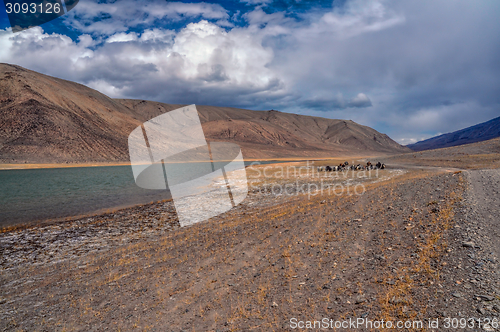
x=28, y=195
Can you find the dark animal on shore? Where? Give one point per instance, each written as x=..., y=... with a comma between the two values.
x=329, y=168
x=343, y=167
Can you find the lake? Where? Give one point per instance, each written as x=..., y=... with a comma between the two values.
x=28, y=195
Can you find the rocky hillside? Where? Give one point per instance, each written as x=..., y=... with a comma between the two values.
x=46, y=119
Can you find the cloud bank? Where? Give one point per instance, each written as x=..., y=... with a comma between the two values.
x=409, y=69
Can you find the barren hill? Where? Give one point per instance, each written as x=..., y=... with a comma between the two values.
x=478, y=133
x=273, y=134
x=46, y=119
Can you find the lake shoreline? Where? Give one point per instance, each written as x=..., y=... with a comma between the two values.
x=47, y=222
x=56, y=165
x=42, y=217
x=10, y=166
x=40, y=221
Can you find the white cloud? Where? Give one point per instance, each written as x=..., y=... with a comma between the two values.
x=121, y=15
x=5, y=45
x=200, y=56
x=358, y=17
x=257, y=2
x=361, y=100
x=157, y=36
x=122, y=37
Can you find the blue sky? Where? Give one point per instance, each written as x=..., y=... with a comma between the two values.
x=410, y=69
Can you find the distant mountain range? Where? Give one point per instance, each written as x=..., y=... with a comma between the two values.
x=50, y=120
x=480, y=132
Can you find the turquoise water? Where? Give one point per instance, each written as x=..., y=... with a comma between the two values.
x=38, y=194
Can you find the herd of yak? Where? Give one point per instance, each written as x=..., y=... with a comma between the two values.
x=346, y=167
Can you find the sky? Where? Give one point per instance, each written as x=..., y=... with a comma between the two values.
x=409, y=69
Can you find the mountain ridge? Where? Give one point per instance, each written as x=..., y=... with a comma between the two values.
x=480, y=132
x=50, y=120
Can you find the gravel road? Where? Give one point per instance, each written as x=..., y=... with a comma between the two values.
x=476, y=250
x=484, y=201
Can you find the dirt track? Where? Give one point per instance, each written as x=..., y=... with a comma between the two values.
x=483, y=200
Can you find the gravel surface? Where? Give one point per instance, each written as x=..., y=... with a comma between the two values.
x=420, y=245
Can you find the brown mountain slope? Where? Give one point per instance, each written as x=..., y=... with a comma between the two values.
x=45, y=119
x=273, y=134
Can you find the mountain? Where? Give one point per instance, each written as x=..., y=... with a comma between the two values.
x=50, y=120
x=478, y=133
x=273, y=134
x=45, y=119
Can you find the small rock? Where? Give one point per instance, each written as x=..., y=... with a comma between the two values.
x=398, y=300
x=360, y=299
x=274, y=305
x=485, y=297
x=496, y=308
x=457, y=295
x=468, y=244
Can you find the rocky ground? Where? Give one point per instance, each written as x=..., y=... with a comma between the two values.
x=416, y=245
x=481, y=239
